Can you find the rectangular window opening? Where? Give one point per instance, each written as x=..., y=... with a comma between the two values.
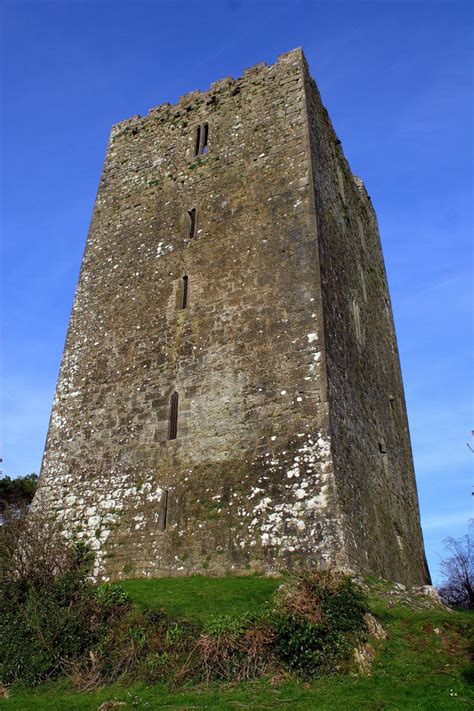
x=173, y=423
x=197, y=144
x=184, y=292
x=205, y=138
x=192, y=222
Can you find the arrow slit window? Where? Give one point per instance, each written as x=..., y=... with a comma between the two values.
x=173, y=423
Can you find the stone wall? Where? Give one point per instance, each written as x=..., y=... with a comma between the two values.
x=254, y=479
x=369, y=427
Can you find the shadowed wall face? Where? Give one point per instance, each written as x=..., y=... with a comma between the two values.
x=371, y=449
x=191, y=428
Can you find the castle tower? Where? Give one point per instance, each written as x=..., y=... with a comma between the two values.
x=230, y=396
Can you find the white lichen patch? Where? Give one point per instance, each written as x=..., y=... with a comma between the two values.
x=290, y=525
x=163, y=249
x=90, y=515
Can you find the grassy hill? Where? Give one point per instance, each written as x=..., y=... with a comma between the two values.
x=422, y=665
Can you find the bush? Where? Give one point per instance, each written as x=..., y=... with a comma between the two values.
x=316, y=622
x=55, y=620
x=50, y=611
x=32, y=548
x=236, y=648
x=140, y=646
x=468, y=671
x=319, y=620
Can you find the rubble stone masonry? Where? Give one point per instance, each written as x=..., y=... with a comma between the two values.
x=230, y=396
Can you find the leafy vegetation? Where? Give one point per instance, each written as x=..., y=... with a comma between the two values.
x=420, y=667
x=17, y=492
x=54, y=620
x=221, y=643
x=51, y=616
x=319, y=621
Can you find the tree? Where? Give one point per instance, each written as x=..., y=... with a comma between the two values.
x=457, y=570
x=17, y=493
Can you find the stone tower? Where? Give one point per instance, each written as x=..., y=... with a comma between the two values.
x=230, y=396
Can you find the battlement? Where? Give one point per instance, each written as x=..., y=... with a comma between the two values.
x=188, y=101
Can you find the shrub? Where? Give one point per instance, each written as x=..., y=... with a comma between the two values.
x=236, y=648
x=318, y=621
x=315, y=624
x=32, y=548
x=468, y=671
x=50, y=611
x=55, y=620
x=142, y=645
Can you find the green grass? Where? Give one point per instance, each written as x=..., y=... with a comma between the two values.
x=198, y=598
x=418, y=668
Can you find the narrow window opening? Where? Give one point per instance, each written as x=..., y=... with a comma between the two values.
x=173, y=424
x=382, y=447
x=164, y=510
x=197, y=143
x=192, y=222
x=184, y=295
x=204, y=138
x=391, y=400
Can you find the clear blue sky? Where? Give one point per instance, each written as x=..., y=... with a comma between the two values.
x=396, y=78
